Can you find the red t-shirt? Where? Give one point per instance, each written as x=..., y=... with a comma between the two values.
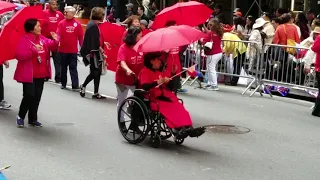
x=216, y=43
x=51, y=21
x=173, y=61
x=70, y=33
x=133, y=60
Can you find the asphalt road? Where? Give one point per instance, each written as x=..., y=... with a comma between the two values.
x=80, y=139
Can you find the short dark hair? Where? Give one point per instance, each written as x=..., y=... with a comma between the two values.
x=131, y=36
x=267, y=14
x=29, y=24
x=149, y=57
x=142, y=8
x=277, y=20
x=285, y=18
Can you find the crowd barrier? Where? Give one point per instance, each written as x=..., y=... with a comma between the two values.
x=270, y=64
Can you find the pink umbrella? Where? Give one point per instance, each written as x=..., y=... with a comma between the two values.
x=190, y=13
x=6, y=6
x=167, y=38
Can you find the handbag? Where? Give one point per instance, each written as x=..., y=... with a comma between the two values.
x=290, y=42
x=207, y=47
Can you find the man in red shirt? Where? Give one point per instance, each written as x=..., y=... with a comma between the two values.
x=70, y=34
x=52, y=18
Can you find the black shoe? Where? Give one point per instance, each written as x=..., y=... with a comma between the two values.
x=82, y=91
x=63, y=87
x=197, y=132
x=98, y=96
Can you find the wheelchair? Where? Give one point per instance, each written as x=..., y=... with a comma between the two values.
x=143, y=121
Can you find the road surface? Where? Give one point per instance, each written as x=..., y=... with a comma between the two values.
x=80, y=139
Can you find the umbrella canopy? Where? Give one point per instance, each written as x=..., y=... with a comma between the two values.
x=167, y=38
x=112, y=40
x=190, y=13
x=14, y=30
x=6, y=6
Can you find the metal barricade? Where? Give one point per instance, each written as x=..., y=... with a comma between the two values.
x=240, y=59
x=285, y=69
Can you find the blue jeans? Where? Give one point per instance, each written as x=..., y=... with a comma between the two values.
x=69, y=60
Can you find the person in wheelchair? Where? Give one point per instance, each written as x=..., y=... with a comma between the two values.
x=162, y=100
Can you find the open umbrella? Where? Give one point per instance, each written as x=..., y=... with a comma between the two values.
x=6, y=6
x=112, y=40
x=13, y=30
x=167, y=38
x=190, y=13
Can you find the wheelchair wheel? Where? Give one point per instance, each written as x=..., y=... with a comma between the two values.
x=133, y=120
x=178, y=141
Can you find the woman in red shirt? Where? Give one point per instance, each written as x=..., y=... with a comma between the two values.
x=130, y=64
x=33, y=68
x=214, y=55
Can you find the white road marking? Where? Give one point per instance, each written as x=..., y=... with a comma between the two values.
x=90, y=92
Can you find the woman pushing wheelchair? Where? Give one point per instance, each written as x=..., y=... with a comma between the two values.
x=155, y=81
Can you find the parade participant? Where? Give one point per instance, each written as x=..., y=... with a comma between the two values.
x=214, y=54
x=154, y=80
x=144, y=27
x=316, y=49
x=92, y=46
x=130, y=64
x=52, y=19
x=33, y=68
x=132, y=21
x=70, y=33
x=173, y=65
x=3, y=103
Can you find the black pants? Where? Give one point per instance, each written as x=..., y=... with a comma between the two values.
x=1, y=84
x=95, y=74
x=69, y=60
x=238, y=63
x=316, y=110
x=57, y=66
x=32, y=93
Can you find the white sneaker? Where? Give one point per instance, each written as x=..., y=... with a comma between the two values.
x=4, y=105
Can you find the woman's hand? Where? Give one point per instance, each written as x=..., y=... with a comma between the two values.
x=38, y=47
x=54, y=36
x=129, y=72
x=166, y=79
x=6, y=64
x=160, y=81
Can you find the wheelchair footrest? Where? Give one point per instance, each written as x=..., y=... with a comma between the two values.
x=197, y=132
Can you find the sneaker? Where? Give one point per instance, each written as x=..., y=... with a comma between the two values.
x=82, y=91
x=212, y=88
x=20, y=122
x=35, y=124
x=207, y=86
x=4, y=105
x=63, y=87
x=182, y=90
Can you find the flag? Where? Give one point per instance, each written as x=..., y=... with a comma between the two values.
x=192, y=71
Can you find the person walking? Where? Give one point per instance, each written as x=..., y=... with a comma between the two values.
x=3, y=103
x=33, y=69
x=70, y=33
x=52, y=19
x=93, y=52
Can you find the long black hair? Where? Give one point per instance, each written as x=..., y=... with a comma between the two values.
x=131, y=36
